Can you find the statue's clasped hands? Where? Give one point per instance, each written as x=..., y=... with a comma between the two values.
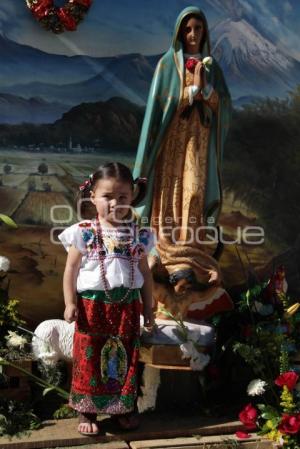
x=200, y=75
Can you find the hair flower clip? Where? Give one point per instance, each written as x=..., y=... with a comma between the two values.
x=87, y=183
x=84, y=185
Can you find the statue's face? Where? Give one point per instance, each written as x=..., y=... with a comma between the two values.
x=192, y=33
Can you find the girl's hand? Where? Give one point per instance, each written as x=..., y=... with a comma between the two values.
x=149, y=323
x=214, y=277
x=71, y=313
x=200, y=75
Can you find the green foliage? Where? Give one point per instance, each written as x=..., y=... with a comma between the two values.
x=251, y=295
x=251, y=354
x=16, y=418
x=9, y=315
x=64, y=412
x=269, y=337
x=52, y=374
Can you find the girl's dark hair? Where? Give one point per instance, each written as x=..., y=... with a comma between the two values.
x=185, y=21
x=108, y=170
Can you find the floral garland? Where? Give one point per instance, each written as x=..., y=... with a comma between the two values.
x=59, y=19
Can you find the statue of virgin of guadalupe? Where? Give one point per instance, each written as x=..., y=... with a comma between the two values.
x=180, y=153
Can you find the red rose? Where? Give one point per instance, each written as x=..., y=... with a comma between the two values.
x=289, y=378
x=68, y=21
x=191, y=64
x=41, y=9
x=86, y=3
x=248, y=417
x=290, y=424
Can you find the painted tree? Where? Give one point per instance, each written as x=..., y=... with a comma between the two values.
x=43, y=168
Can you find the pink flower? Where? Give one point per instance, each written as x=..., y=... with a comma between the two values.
x=289, y=378
x=248, y=417
x=290, y=424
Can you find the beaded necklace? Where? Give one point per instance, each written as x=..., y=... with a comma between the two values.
x=101, y=253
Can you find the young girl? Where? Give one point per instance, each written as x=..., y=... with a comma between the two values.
x=106, y=273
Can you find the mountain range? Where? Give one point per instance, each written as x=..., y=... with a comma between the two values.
x=113, y=124
x=253, y=67
x=35, y=110
x=252, y=64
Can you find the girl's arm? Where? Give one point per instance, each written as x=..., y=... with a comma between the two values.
x=69, y=283
x=146, y=292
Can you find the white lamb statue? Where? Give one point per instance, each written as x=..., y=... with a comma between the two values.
x=53, y=341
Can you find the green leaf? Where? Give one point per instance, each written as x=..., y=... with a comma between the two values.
x=47, y=390
x=268, y=415
x=263, y=431
x=8, y=221
x=261, y=407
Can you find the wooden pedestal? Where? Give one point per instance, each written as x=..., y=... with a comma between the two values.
x=164, y=357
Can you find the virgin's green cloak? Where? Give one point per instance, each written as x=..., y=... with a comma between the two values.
x=164, y=97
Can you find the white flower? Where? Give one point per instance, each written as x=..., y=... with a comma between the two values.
x=199, y=363
x=207, y=61
x=256, y=387
x=15, y=341
x=187, y=349
x=48, y=358
x=198, y=359
x=4, y=263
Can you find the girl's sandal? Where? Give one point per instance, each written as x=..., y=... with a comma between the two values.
x=128, y=421
x=88, y=418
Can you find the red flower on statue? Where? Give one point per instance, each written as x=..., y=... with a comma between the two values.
x=248, y=417
x=59, y=19
x=289, y=378
x=191, y=63
x=290, y=424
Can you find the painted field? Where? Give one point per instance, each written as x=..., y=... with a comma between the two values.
x=10, y=200
x=34, y=182
x=36, y=272
x=36, y=209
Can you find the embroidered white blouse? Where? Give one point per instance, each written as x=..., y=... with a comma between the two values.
x=119, y=244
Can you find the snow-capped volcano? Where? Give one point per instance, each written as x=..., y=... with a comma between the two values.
x=252, y=63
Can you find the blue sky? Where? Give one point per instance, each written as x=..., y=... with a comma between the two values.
x=145, y=26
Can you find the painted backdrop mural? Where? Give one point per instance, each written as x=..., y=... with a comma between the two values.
x=70, y=101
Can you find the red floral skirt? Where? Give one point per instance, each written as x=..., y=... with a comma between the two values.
x=106, y=352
